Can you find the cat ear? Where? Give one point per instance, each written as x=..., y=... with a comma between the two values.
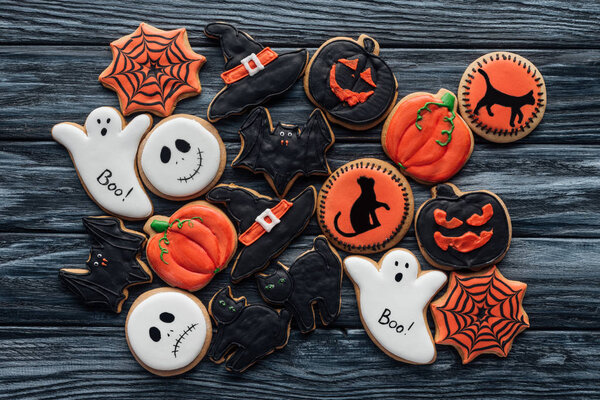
x=530, y=92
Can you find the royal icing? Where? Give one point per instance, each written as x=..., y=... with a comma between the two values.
x=393, y=297
x=104, y=154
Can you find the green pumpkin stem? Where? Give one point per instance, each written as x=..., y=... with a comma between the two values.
x=448, y=101
x=159, y=226
x=164, y=226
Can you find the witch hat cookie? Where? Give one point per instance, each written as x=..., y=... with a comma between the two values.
x=253, y=73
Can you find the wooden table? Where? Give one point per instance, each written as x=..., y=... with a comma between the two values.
x=51, y=54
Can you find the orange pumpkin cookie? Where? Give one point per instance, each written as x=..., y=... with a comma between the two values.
x=480, y=313
x=189, y=248
x=502, y=97
x=152, y=70
x=365, y=206
x=426, y=138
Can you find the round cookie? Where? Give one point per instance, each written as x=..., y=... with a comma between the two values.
x=168, y=331
x=365, y=206
x=502, y=96
x=182, y=157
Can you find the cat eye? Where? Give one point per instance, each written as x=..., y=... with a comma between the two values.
x=166, y=317
x=282, y=280
x=165, y=154
x=269, y=286
x=398, y=277
x=232, y=308
x=154, y=334
x=222, y=303
x=182, y=145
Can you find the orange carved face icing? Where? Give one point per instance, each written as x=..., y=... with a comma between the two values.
x=468, y=241
x=349, y=96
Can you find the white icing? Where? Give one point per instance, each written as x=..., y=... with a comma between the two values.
x=267, y=226
x=105, y=160
x=405, y=301
x=181, y=340
x=184, y=173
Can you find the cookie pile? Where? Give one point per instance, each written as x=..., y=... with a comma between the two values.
x=365, y=206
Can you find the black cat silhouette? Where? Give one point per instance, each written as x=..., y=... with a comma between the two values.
x=314, y=279
x=362, y=214
x=493, y=96
x=245, y=333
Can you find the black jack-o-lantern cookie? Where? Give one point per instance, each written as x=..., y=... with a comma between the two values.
x=348, y=80
x=502, y=96
x=365, y=206
x=457, y=230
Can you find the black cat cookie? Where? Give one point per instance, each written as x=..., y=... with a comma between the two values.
x=114, y=264
x=348, y=80
x=284, y=152
x=245, y=332
x=313, y=281
x=502, y=96
x=266, y=225
x=253, y=73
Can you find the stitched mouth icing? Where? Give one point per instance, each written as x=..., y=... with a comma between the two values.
x=195, y=172
x=181, y=337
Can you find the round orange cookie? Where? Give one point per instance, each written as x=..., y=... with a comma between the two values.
x=366, y=206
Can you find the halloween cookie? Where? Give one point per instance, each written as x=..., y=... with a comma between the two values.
x=188, y=249
x=181, y=157
x=393, y=296
x=347, y=79
x=103, y=153
x=114, y=264
x=365, y=206
x=152, y=70
x=458, y=229
x=314, y=281
x=267, y=226
x=168, y=331
x=426, y=137
x=502, y=96
x=285, y=152
x=245, y=332
x=480, y=313
x=253, y=73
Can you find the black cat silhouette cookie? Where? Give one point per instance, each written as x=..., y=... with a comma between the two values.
x=502, y=96
x=314, y=281
x=245, y=332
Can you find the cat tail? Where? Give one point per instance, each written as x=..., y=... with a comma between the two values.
x=335, y=223
x=485, y=76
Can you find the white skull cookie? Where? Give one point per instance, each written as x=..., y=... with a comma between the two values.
x=182, y=157
x=168, y=331
x=393, y=297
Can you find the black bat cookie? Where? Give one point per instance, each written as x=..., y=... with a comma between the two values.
x=285, y=152
x=113, y=265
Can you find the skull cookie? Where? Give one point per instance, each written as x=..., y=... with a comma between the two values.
x=182, y=157
x=168, y=331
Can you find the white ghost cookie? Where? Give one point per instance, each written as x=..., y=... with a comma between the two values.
x=104, y=155
x=392, y=298
x=182, y=157
x=168, y=331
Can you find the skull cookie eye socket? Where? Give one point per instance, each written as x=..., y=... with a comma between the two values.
x=182, y=145
x=167, y=317
x=165, y=154
x=154, y=334
x=108, y=120
x=98, y=120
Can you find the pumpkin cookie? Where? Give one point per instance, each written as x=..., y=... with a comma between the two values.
x=426, y=137
x=502, y=96
x=365, y=206
x=347, y=79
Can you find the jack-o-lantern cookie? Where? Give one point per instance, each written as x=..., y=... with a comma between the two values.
x=458, y=230
x=426, y=137
x=502, y=96
x=365, y=206
x=182, y=157
x=152, y=70
x=188, y=249
x=347, y=79
x=168, y=331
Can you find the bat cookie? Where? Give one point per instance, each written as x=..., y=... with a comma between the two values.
x=348, y=80
x=245, y=332
x=152, y=70
x=182, y=157
x=393, y=296
x=168, y=331
x=267, y=226
x=188, y=249
x=253, y=73
x=312, y=283
x=104, y=154
x=285, y=152
x=114, y=264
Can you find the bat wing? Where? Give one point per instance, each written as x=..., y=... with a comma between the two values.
x=107, y=231
x=92, y=293
x=254, y=132
x=318, y=138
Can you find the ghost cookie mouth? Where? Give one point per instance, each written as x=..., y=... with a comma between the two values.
x=181, y=337
x=196, y=170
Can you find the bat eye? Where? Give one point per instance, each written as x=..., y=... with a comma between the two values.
x=98, y=120
x=95, y=263
x=290, y=134
x=282, y=133
x=154, y=334
x=182, y=145
x=167, y=317
x=165, y=154
x=99, y=255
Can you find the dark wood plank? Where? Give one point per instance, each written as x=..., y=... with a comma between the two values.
x=42, y=86
x=549, y=23
x=58, y=363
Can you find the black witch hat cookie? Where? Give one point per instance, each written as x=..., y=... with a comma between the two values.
x=267, y=226
x=253, y=73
